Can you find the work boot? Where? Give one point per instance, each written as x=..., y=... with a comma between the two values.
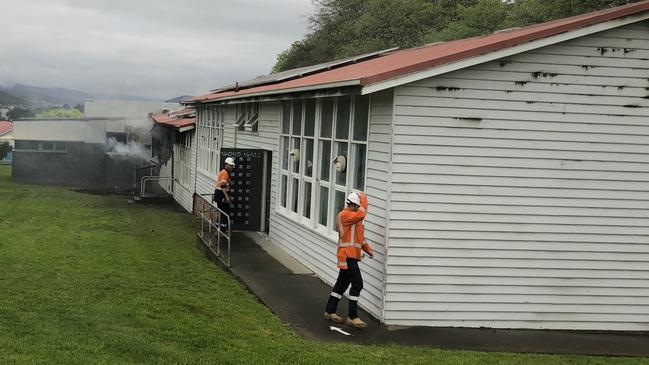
x=356, y=322
x=333, y=317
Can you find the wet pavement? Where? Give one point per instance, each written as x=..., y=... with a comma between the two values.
x=299, y=300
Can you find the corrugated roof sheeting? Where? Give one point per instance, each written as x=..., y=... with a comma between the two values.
x=177, y=118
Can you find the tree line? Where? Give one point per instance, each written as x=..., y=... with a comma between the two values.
x=345, y=28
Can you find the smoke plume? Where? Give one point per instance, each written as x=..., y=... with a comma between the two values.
x=131, y=149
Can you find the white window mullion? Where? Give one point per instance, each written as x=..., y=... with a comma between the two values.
x=332, y=172
x=315, y=171
x=291, y=146
x=350, y=149
x=220, y=122
x=203, y=139
x=208, y=141
x=301, y=161
x=284, y=142
x=289, y=166
x=206, y=128
x=215, y=140
x=351, y=174
x=206, y=163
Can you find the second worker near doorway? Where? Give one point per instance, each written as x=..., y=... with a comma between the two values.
x=222, y=195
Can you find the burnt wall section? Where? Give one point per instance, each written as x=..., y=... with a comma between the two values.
x=162, y=142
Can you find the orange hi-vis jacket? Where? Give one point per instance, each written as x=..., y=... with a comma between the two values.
x=222, y=180
x=351, y=233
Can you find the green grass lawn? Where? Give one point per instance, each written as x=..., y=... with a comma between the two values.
x=88, y=279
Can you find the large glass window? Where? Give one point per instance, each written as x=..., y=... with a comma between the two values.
x=27, y=145
x=323, y=151
x=209, y=133
x=41, y=146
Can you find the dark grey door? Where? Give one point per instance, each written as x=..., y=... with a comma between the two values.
x=248, y=188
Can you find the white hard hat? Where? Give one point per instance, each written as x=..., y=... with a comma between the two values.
x=229, y=161
x=354, y=199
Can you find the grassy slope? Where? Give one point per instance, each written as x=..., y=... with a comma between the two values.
x=92, y=280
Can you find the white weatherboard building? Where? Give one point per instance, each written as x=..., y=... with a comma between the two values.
x=508, y=175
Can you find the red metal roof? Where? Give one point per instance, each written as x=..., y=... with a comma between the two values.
x=412, y=60
x=6, y=127
x=177, y=118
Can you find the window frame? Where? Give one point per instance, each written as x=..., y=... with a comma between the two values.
x=247, y=117
x=209, y=138
x=40, y=148
x=287, y=135
x=182, y=155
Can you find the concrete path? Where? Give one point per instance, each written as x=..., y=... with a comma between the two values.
x=298, y=298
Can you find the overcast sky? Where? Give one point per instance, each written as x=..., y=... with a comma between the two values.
x=153, y=48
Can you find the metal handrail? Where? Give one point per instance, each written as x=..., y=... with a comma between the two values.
x=151, y=178
x=216, y=228
x=140, y=169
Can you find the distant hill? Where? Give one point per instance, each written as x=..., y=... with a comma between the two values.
x=179, y=99
x=54, y=95
x=7, y=98
x=120, y=97
x=60, y=96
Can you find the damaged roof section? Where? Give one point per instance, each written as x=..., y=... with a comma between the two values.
x=383, y=66
x=181, y=119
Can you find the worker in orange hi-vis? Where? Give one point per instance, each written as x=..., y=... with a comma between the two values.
x=221, y=191
x=351, y=243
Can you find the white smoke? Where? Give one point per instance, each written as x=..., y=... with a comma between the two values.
x=130, y=149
